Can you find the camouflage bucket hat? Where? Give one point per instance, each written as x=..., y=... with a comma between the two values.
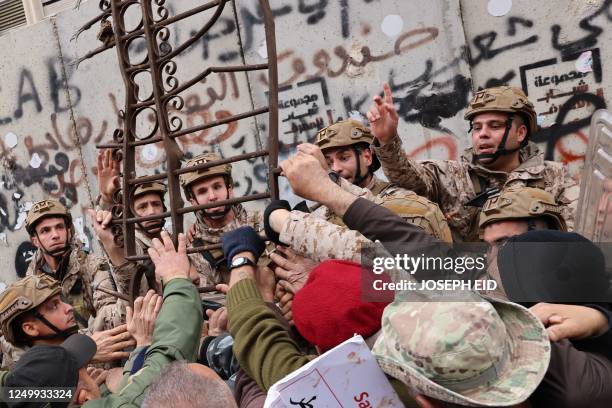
x=191, y=177
x=520, y=202
x=506, y=99
x=482, y=353
x=44, y=209
x=346, y=133
x=23, y=295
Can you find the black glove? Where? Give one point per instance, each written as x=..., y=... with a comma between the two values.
x=302, y=206
x=274, y=205
x=241, y=240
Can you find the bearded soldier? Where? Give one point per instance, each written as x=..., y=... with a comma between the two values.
x=207, y=186
x=346, y=148
x=502, y=120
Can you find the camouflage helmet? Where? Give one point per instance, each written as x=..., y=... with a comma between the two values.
x=45, y=209
x=478, y=351
x=346, y=133
x=152, y=187
x=187, y=179
x=520, y=202
x=25, y=294
x=506, y=99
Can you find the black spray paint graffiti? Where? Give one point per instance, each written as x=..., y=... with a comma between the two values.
x=588, y=41
x=559, y=129
x=23, y=256
x=484, y=42
x=28, y=93
x=315, y=10
x=445, y=100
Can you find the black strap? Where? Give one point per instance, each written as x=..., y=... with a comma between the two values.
x=501, y=149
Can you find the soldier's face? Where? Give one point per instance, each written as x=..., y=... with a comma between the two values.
x=210, y=190
x=149, y=204
x=343, y=161
x=56, y=311
x=51, y=234
x=496, y=234
x=488, y=131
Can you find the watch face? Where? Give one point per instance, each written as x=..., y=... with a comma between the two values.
x=241, y=261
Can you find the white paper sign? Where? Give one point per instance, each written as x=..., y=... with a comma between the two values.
x=346, y=376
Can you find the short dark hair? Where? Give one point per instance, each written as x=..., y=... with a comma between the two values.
x=22, y=339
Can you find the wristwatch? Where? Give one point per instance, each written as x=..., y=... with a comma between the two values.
x=239, y=261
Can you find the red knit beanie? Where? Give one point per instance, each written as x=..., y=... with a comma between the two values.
x=329, y=309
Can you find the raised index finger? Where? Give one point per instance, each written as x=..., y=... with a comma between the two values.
x=388, y=96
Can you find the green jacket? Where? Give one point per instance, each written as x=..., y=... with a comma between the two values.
x=176, y=337
x=263, y=346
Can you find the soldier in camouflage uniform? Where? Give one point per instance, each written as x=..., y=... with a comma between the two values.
x=502, y=120
x=60, y=255
x=148, y=198
x=206, y=186
x=346, y=148
x=21, y=303
x=32, y=312
x=480, y=353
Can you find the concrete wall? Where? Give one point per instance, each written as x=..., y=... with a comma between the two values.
x=333, y=57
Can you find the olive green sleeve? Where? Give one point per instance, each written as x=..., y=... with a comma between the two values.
x=176, y=337
x=262, y=345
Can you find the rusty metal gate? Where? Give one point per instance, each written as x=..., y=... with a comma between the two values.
x=165, y=101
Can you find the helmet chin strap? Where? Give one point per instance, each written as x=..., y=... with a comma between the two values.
x=148, y=229
x=217, y=215
x=501, y=149
x=59, y=334
x=58, y=253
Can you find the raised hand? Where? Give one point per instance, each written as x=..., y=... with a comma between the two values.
x=109, y=172
x=383, y=117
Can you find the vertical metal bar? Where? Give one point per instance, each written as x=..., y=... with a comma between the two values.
x=173, y=152
x=272, y=98
x=129, y=162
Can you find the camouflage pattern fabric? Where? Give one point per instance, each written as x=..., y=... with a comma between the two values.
x=475, y=353
x=449, y=183
x=209, y=274
x=81, y=274
x=411, y=207
x=318, y=239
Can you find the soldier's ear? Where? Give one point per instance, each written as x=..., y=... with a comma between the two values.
x=367, y=156
x=230, y=191
x=30, y=328
x=35, y=241
x=521, y=133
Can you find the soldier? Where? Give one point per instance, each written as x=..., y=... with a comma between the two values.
x=175, y=337
x=206, y=186
x=60, y=255
x=148, y=199
x=346, y=148
x=516, y=210
x=501, y=121
x=32, y=312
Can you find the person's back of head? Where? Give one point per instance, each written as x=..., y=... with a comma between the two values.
x=180, y=385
